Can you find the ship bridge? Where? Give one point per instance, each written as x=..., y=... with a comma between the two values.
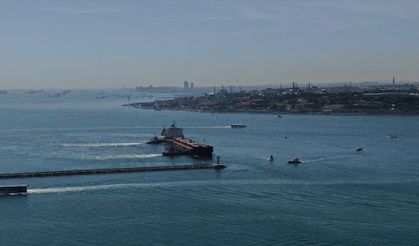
x=172, y=132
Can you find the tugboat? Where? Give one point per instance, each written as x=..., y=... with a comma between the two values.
x=155, y=140
x=13, y=190
x=294, y=161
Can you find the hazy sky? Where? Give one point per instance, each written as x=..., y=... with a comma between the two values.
x=100, y=43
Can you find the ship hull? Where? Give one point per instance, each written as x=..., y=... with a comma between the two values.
x=185, y=146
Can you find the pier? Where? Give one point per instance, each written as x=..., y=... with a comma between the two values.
x=110, y=170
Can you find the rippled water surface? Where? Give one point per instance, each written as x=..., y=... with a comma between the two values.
x=336, y=196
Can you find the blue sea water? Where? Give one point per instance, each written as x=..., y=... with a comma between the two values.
x=337, y=196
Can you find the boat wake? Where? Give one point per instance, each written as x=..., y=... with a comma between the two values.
x=327, y=158
x=196, y=183
x=121, y=157
x=82, y=188
x=205, y=127
x=99, y=145
x=148, y=185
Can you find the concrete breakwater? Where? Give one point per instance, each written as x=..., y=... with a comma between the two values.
x=110, y=170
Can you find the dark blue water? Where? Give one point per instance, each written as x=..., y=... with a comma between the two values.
x=336, y=196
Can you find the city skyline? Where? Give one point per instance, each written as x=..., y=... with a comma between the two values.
x=111, y=44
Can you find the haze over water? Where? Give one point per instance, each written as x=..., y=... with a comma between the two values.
x=110, y=44
x=336, y=196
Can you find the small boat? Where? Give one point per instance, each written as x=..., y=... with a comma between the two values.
x=359, y=149
x=155, y=140
x=13, y=190
x=392, y=136
x=271, y=158
x=237, y=126
x=294, y=161
x=278, y=116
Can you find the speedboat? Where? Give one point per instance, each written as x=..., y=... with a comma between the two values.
x=359, y=149
x=271, y=158
x=294, y=161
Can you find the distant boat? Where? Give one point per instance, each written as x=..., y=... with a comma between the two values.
x=359, y=149
x=237, y=126
x=13, y=190
x=278, y=116
x=102, y=97
x=294, y=161
x=392, y=136
x=271, y=157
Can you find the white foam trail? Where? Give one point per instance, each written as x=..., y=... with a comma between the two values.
x=146, y=185
x=98, y=145
x=327, y=158
x=70, y=128
x=205, y=127
x=79, y=188
x=205, y=183
x=118, y=157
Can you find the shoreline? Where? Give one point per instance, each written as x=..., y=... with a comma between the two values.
x=285, y=113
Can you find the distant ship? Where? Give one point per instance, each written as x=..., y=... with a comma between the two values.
x=237, y=126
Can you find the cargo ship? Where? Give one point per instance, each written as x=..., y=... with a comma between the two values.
x=13, y=190
x=177, y=144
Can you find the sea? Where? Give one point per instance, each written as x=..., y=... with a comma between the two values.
x=336, y=196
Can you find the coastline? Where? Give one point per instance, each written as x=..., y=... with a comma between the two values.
x=295, y=101
x=284, y=113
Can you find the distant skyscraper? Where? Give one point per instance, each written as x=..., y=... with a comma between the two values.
x=185, y=84
x=394, y=80
x=191, y=85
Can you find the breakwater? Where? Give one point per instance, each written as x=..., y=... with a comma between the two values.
x=110, y=170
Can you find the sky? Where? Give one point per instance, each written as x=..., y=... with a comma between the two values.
x=116, y=43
